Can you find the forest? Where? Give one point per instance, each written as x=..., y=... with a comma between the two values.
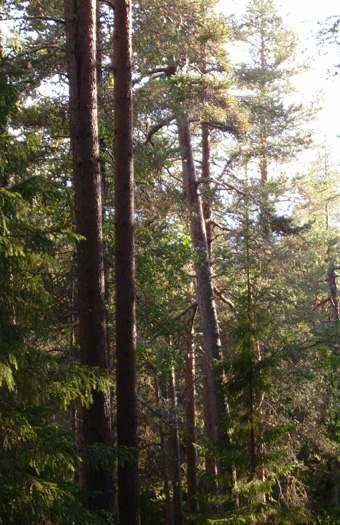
x=169, y=267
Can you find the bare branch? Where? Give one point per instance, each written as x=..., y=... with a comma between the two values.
x=152, y=131
x=108, y=3
x=224, y=299
x=32, y=18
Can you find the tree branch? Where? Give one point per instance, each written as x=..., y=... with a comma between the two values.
x=152, y=131
x=33, y=18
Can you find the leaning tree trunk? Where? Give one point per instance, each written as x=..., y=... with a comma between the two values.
x=96, y=420
x=128, y=506
x=215, y=412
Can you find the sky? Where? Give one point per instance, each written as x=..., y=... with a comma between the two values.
x=305, y=18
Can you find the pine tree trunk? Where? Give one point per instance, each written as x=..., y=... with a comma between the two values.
x=167, y=400
x=332, y=292
x=264, y=208
x=190, y=416
x=169, y=511
x=333, y=318
x=264, y=211
x=215, y=407
x=96, y=421
x=210, y=464
x=160, y=393
x=128, y=505
x=205, y=179
x=175, y=451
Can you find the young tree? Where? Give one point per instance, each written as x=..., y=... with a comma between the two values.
x=277, y=129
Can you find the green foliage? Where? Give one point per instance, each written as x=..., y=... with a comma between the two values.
x=280, y=347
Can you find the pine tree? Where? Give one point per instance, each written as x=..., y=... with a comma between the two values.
x=96, y=419
x=128, y=505
x=278, y=127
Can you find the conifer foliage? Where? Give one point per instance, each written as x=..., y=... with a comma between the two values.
x=169, y=311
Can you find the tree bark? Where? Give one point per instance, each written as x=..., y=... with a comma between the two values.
x=128, y=505
x=332, y=291
x=215, y=407
x=175, y=451
x=190, y=416
x=160, y=393
x=263, y=135
x=205, y=178
x=96, y=421
x=167, y=398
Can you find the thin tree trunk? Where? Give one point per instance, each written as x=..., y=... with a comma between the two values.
x=332, y=291
x=175, y=450
x=259, y=399
x=128, y=505
x=215, y=412
x=333, y=310
x=96, y=421
x=250, y=348
x=100, y=94
x=252, y=436
x=210, y=464
x=171, y=449
x=169, y=515
x=264, y=211
x=190, y=416
x=169, y=511
x=205, y=178
x=106, y=196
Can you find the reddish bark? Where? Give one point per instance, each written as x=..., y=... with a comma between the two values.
x=206, y=185
x=128, y=506
x=96, y=421
x=215, y=409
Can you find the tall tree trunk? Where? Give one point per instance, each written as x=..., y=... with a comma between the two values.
x=215, y=412
x=106, y=195
x=169, y=515
x=128, y=505
x=210, y=464
x=100, y=95
x=167, y=398
x=264, y=207
x=250, y=349
x=205, y=179
x=333, y=315
x=332, y=291
x=175, y=450
x=96, y=421
x=190, y=416
x=263, y=135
